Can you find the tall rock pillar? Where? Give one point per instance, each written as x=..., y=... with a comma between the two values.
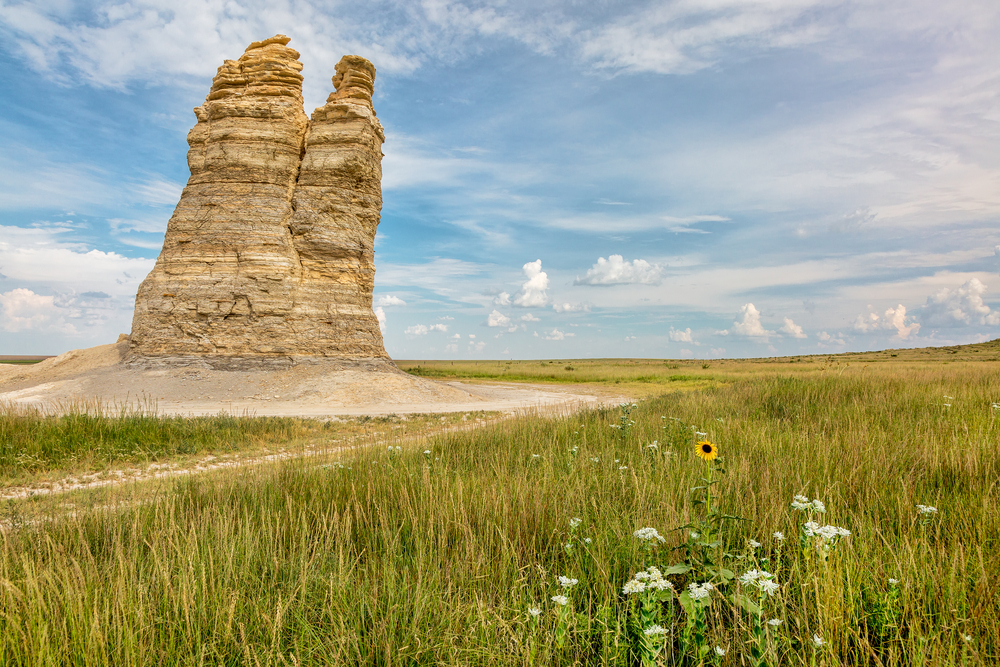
x=269, y=255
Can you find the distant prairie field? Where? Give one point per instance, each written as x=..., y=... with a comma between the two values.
x=807, y=511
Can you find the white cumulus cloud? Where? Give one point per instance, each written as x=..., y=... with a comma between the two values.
x=571, y=307
x=532, y=294
x=750, y=325
x=497, y=319
x=555, y=334
x=894, y=319
x=959, y=307
x=616, y=271
x=502, y=299
x=380, y=316
x=423, y=329
x=792, y=329
x=389, y=300
x=529, y=318
x=23, y=310
x=681, y=335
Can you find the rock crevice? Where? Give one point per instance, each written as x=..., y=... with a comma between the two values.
x=269, y=254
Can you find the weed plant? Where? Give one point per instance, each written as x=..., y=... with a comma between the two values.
x=517, y=544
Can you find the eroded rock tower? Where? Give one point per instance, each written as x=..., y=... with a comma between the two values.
x=269, y=255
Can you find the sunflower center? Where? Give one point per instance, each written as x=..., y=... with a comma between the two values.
x=707, y=448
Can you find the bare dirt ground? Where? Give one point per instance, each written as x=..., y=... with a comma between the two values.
x=96, y=375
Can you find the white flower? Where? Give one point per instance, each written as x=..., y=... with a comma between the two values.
x=574, y=522
x=926, y=510
x=560, y=600
x=649, y=534
x=780, y=536
x=801, y=503
x=700, y=592
x=893, y=582
x=654, y=630
x=653, y=445
x=595, y=459
x=695, y=536
x=810, y=528
x=587, y=540
x=774, y=622
x=700, y=434
x=566, y=582
x=623, y=467
x=818, y=641
x=749, y=577
x=660, y=585
x=719, y=651
x=818, y=506
x=641, y=576
x=768, y=586
x=967, y=638
x=427, y=451
x=534, y=611
x=754, y=544
x=633, y=586
x=536, y=456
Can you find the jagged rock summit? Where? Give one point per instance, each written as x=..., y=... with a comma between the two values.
x=269, y=255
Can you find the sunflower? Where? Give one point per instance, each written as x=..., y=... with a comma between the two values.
x=706, y=450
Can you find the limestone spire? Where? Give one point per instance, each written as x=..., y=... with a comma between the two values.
x=269, y=253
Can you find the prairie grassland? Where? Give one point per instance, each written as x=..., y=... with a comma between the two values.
x=434, y=554
x=35, y=446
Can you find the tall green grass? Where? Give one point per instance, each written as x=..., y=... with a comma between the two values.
x=413, y=558
x=32, y=442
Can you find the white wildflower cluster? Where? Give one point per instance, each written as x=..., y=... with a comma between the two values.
x=819, y=641
x=575, y=521
x=595, y=459
x=394, y=450
x=700, y=434
x=761, y=579
x=535, y=612
x=753, y=544
x=926, y=510
x=828, y=536
x=653, y=446
x=775, y=622
x=893, y=582
x=719, y=651
x=780, y=536
x=803, y=504
x=621, y=468
x=649, y=535
x=700, y=591
x=560, y=600
x=654, y=630
x=574, y=451
x=650, y=579
x=566, y=582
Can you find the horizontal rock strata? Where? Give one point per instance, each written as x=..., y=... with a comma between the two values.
x=269, y=255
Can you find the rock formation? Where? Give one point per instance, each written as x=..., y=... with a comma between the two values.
x=269, y=255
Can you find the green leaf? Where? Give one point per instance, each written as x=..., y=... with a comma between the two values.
x=746, y=603
x=680, y=568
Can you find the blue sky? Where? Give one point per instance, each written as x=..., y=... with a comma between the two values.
x=723, y=178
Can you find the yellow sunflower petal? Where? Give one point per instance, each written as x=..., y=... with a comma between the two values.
x=706, y=450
